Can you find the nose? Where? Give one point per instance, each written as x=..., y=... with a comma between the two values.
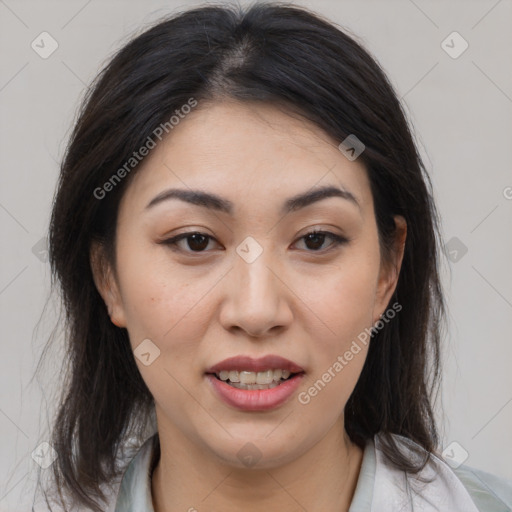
x=257, y=298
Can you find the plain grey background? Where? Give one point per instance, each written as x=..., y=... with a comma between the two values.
x=461, y=110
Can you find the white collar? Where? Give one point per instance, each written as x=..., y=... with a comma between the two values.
x=394, y=490
x=381, y=487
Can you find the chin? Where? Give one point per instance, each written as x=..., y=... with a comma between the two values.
x=256, y=451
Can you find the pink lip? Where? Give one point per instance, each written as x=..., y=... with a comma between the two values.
x=269, y=362
x=255, y=399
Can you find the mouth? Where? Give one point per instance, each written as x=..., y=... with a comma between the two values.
x=255, y=384
x=246, y=379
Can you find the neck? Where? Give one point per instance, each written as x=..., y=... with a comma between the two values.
x=321, y=479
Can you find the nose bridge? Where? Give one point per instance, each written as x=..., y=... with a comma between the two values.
x=253, y=263
x=255, y=298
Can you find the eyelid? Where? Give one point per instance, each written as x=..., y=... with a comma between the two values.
x=173, y=242
x=337, y=240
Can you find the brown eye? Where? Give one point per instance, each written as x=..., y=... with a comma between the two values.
x=195, y=242
x=315, y=240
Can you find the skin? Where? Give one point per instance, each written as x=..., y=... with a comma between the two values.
x=302, y=301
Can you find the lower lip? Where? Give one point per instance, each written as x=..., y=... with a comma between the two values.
x=255, y=399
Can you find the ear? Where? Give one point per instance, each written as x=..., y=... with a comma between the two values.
x=390, y=270
x=106, y=284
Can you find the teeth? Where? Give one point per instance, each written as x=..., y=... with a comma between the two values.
x=278, y=374
x=239, y=385
x=265, y=377
x=248, y=377
x=253, y=379
x=224, y=375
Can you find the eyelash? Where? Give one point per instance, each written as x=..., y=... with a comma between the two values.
x=173, y=242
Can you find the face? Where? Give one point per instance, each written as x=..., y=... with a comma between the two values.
x=246, y=276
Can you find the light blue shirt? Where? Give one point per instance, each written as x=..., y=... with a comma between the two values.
x=380, y=487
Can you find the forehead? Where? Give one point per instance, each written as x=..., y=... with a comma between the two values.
x=246, y=151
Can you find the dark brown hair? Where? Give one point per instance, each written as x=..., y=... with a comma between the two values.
x=272, y=53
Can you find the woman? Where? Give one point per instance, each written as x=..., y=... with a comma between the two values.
x=245, y=239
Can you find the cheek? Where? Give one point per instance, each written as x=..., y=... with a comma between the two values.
x=342, y=297
x=341, y=303
x=326, y=392
x=170, y=305
x=166, y=305
x=157, y=294
x=340, y=344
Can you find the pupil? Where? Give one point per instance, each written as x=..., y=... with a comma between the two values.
x=317, y=238
x=196, y=244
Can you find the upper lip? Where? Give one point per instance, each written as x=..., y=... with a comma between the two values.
x=269, y=362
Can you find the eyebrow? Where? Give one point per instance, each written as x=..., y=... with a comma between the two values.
x=215, y=202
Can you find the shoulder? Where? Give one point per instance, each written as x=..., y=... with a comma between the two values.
x=135, y=488
x=438, y=486
x=489, y=492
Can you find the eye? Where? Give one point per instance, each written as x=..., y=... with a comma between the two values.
x=197, y=242
x=315, y=239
